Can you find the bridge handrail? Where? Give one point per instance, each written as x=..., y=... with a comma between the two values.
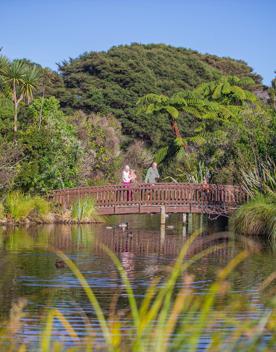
x=173, y=194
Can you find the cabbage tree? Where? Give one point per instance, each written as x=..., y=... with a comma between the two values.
x=18, y=80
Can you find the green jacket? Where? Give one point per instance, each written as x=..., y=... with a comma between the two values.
x=152, y=175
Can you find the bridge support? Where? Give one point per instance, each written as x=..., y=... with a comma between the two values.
x=162, y=235
x=184, y=218
x=163, y=215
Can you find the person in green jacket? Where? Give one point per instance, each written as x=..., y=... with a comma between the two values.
x=152, y=174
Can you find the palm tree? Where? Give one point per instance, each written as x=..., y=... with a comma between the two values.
x=20, y=80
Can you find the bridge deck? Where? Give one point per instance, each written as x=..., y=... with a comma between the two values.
x=148, y=198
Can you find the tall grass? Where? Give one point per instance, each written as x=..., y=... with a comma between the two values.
x=19, y=206
x=84, y=210
x=41, y=206
x=259, y=178
x=257, y=217
x=169, y=318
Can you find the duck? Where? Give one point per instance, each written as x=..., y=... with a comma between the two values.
x=59, y=264
x=123, y=225
x=130, y=234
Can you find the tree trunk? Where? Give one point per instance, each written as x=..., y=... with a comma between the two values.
x=175, y=129
x=177, y=133
x=15, y=118
x=15, y=102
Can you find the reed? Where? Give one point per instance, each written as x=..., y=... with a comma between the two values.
x=84, y=210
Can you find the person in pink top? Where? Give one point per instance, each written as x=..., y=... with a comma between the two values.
x=126, y=176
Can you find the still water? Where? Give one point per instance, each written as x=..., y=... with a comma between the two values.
x=28, y=266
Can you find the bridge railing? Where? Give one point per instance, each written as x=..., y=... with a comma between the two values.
x=171, y=194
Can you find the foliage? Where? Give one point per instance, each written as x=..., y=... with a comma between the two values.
x=100, y=142
x=172, y=106
x=257, y=217
x=209, y=105
x=139, y=157
x=112, y=82
x=229, y=90
x=18, y=80
x=197, y=174
x=9, y=160
x=50, y=149
x=84, y=209
x=260, y=177
x=19, y=206
x=167, y=318
x=223, y=121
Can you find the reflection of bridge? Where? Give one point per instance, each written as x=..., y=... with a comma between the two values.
x=155, y=198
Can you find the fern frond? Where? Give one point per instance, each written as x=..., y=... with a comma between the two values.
x=161, y=154
x=172, y=111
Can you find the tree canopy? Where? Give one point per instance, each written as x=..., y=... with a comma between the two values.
x=132, y=104
x=112, y=82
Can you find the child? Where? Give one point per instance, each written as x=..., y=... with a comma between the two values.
x=133, y=176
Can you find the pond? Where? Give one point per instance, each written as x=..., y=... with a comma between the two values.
x=29, y=268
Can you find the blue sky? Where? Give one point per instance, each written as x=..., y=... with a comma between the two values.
x=50, y=31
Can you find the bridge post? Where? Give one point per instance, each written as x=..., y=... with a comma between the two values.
x=162, y=235
x=190, y=223
x=163, y=215
x=184, y=218
x=184, y=231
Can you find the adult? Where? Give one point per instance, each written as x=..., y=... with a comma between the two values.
x=152, y=174
x=127, y=178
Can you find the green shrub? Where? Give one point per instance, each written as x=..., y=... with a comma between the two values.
x=84, y=210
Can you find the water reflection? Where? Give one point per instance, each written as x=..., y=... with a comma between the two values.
x=28, y=267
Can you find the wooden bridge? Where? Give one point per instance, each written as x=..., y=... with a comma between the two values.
x=155, y=198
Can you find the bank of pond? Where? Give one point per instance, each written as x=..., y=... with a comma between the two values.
x=256, y=217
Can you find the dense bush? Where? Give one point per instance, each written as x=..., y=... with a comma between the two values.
x=50, y=149
x=97, y=125
x=100, y=142
x=112, y=82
